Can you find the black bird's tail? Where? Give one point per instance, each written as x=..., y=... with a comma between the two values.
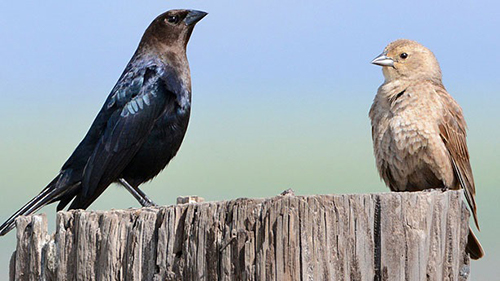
x=48, y=195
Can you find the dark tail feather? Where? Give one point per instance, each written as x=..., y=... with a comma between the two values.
x=472, y=205
x=473, y=247
x=45, y=197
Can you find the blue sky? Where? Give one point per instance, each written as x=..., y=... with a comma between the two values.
x=281, y=92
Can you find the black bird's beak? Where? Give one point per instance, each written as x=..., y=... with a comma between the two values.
x=194, y=16
x=383, y=60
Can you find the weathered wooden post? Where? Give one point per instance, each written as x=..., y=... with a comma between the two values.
x=389, y=236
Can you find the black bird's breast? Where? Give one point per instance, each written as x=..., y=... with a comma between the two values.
x=160, y=147
x=167, y=132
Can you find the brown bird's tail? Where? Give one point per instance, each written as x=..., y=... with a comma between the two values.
x=45, y=197
x=474, y=248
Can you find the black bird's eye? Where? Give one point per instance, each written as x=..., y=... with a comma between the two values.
x=172, y=19
x=403, y=55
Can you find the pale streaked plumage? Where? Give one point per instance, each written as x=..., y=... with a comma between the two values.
x=418, y=129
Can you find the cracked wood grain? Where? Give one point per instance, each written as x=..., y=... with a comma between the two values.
x=389, y=236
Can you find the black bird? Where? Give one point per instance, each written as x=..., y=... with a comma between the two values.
x=140, y=126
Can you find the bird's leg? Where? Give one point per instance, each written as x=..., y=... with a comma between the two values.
x=138, y=194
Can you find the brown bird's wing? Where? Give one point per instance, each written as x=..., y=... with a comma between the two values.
x=453, y=132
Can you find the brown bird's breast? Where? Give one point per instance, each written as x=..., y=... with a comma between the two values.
x=409, y=151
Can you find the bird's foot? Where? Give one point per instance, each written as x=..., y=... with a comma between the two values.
x=148, y=203
x=443, y=189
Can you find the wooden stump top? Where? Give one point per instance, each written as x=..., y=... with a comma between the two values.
x=387, y=236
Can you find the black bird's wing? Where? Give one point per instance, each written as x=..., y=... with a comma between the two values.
x=121, y=127
x=136, y=102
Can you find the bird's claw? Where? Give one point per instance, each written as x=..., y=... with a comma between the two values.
x=148, y=204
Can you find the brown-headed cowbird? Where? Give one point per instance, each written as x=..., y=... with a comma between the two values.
x=140, y=126
x=418, y=130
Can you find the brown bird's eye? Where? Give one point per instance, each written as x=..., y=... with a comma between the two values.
x=172, y=19
x=403, y=55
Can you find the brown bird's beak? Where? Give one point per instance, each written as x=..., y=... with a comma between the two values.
x=383, y=60
x=194, y=16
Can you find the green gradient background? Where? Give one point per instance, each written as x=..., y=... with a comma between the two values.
x=281, y=93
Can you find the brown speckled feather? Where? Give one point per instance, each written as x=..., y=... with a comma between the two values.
x=453, y=132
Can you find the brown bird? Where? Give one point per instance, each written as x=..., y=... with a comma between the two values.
x=418, y=129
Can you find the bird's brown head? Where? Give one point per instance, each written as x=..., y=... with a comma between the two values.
x=172, y=29
x=407, y=59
